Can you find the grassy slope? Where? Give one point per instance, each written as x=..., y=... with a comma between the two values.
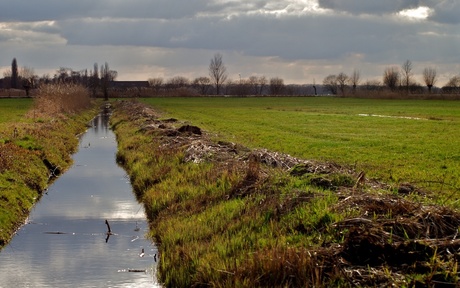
x=423, y=152
x=23, y=174
x=227, y=225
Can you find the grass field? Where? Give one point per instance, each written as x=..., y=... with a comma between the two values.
x=412, y=141
x=13, y=109
x=233, y=220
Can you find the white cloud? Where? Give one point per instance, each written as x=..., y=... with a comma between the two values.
x=421, y=12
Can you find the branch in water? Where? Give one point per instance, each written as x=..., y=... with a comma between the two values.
x=108, y=227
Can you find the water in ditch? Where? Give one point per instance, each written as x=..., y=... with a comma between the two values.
x=66, y=243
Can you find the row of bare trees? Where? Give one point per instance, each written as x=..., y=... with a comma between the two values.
x=25, y=78
x=400, y=79
x=97, y=79
x=254, y=85
x=217, y=82
x=394, y=79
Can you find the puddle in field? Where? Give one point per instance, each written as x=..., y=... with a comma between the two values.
x=65, y=243
x=389, y=116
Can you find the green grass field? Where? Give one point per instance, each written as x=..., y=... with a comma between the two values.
x=242, y=223
x=14, y=109
x=412, y=141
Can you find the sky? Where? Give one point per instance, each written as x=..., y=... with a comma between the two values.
x=300, y=41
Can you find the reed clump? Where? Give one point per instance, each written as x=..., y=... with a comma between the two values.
x=52, y=99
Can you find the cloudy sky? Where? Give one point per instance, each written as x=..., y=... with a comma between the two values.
x=301, y=41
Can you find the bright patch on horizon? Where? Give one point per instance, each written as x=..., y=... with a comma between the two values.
x=421, y=12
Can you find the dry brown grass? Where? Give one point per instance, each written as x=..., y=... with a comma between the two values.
x=53, y=99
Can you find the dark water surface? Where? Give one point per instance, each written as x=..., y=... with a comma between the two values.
x=65, y=242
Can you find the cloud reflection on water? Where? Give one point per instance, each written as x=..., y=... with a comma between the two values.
x=76, y=206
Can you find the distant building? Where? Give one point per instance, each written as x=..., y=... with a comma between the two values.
x=125, y=85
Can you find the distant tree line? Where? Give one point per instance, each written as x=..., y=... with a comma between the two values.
x=395, y=79
x=97, y=80
x=101, y=82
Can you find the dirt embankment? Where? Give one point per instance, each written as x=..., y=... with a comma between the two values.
x=389, y=240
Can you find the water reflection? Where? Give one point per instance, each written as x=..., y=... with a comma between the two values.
x=65, y=243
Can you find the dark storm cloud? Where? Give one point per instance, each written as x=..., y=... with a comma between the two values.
x=446, y=12
x=325, y=37
x=40, y=10
x=377, y=7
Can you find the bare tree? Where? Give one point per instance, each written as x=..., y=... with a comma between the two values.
x=63, y=74
x=372, y=85
x=354, y=79
x=28, y=77
x=94, y=80
x=105, y=80
x=257, y=84
x=262, y=83
x=244, y=87
x=27, y=72
x=217, y=71
x=107, y=76
x=429, y=77
x=7, y=73
x=276, y=86
x=407, y=74
x=177, y=82
x=453, y=85
x=6, y=79
x=45, y=79
x=228, y=87
x=202, y=84
x=391, y=77
x=342, y=80
x=331, y=84
x=454, y=81
x=156, y=83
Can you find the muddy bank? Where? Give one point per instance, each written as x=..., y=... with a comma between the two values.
x=371, y=233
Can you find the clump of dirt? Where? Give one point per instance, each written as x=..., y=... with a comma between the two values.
x=6, y=156
x=389, y=235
